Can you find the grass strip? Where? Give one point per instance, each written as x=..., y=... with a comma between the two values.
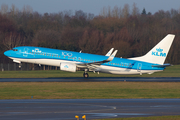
x=88, y=90
x=173, y=71
x=177, y=117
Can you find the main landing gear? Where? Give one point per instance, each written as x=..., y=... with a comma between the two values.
x=85, y=74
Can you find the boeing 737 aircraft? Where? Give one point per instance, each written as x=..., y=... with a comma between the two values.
x=70, y=61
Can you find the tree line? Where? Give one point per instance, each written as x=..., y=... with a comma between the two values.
x=131, y=32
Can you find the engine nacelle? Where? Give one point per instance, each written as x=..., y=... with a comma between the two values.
x=70, y=67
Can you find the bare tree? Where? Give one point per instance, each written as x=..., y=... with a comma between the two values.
x=14, y=10
x=109, y=11
x=115, y=12
x=126, y=11
x=135, y=10
x=103, y=12
x=27, y=9
x=4, y=9
x=13, y=40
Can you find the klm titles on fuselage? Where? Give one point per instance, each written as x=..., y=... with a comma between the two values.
x=159, y=52
x=69, y=54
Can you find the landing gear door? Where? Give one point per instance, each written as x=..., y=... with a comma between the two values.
x=139, y=67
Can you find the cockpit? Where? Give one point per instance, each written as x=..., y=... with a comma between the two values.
x=15, y=49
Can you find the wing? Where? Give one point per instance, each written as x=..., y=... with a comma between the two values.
x=95, y=65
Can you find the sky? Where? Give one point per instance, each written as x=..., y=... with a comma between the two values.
x=92, y=6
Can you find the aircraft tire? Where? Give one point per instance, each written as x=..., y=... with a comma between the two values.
x=85, y=75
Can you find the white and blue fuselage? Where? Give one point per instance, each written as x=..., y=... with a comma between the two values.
x=70, y=61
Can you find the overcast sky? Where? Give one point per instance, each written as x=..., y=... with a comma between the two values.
x=92, y=6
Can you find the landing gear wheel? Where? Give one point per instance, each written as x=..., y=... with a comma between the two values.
x=85, y=75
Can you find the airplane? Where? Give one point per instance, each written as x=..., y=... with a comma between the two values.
x=71, y=61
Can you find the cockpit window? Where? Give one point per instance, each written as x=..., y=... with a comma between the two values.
x=15, y=49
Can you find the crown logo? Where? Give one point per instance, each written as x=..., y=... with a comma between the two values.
x=159, y=49
x=66, y=66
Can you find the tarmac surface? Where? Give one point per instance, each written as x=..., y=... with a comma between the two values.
x=66, y=109
x=94, y=79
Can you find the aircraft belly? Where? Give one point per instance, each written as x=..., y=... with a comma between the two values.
x=51, y=62
x=124, y=71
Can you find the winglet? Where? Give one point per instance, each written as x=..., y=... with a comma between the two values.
x=110, y=51
x=112, y=56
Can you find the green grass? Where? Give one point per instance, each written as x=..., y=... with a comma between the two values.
x=173, y=71
x=147, y=118
x=88, y=90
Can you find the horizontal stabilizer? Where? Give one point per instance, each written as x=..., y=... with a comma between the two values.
x=164, y=65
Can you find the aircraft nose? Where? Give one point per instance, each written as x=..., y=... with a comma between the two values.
x=7, y=53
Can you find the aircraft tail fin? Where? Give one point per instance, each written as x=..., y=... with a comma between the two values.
x=158, y=54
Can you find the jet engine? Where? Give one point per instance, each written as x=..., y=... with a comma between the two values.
x=70, y=67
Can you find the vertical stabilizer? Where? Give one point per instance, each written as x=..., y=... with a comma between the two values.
x=158, y=54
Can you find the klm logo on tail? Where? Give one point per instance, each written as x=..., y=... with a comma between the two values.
x=159, y=52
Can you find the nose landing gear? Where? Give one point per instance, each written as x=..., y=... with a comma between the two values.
x=20, y=65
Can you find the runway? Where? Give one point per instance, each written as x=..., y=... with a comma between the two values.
x=94, y=79
x=66, y=109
